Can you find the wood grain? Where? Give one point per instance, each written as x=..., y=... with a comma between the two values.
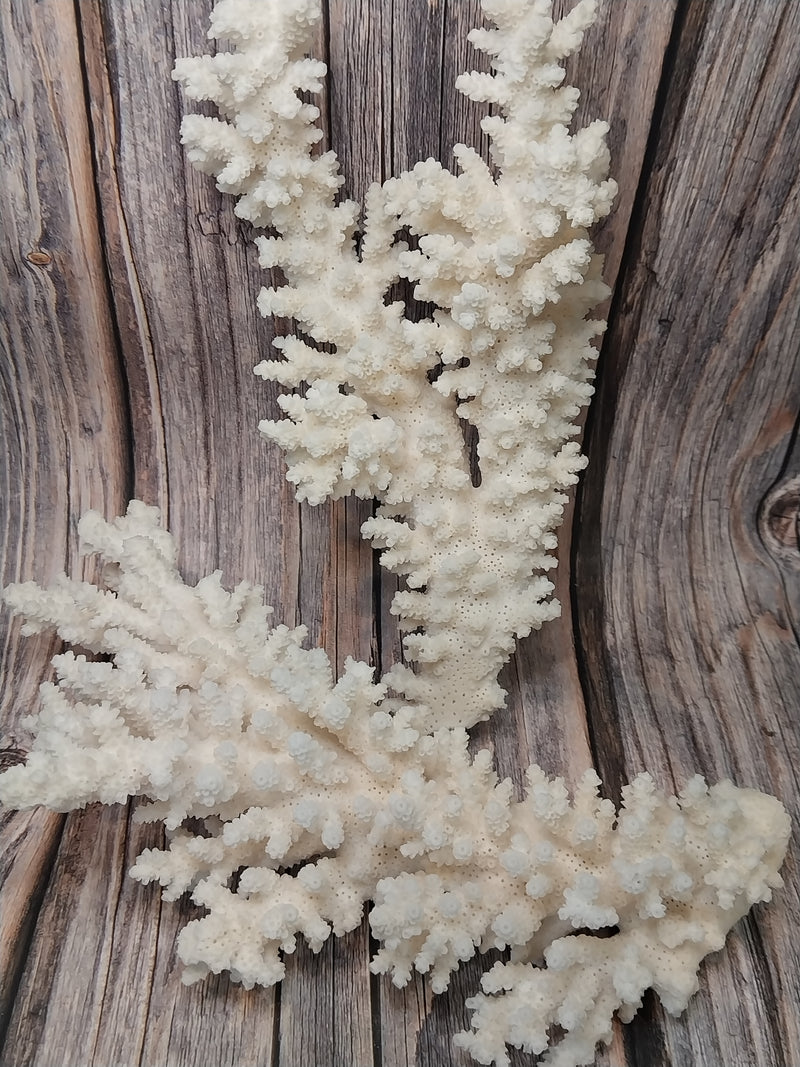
x=63, y=410
x=128, y=334
x=685, y=619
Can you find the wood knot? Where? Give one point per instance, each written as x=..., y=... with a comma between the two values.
x=779, y=521
x=39, y=258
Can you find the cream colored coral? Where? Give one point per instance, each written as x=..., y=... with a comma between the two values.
x=209, y=713
x=508, y=264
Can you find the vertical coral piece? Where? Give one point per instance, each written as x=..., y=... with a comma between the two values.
x=509, y=266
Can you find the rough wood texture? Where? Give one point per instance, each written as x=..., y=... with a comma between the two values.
x=128, y=334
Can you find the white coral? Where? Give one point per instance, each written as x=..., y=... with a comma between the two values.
x=209, y=714
x=508, y=264
x=239, y=740
x=242, y=742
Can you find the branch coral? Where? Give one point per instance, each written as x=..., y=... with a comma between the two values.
x=509, y=266
x=241, y=741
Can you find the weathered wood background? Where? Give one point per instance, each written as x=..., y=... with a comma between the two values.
x=128, y=336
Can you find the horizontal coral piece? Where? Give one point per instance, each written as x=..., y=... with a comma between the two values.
x=238, y=739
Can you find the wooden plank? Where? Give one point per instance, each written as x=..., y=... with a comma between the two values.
x=545, y=721
x=65, y=998
x=62, y=409
x=144, y=257
x=325, y=1009
x=29, y=842
x=184, y=284
x=686, y=619
x=417, y=99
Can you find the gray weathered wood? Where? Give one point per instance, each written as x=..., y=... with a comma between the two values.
x=63, y=411
x=128, y=335
x=687, y=610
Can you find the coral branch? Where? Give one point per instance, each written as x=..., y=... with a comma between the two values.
x=214, y=718
x=239, y=741
x=509, y=266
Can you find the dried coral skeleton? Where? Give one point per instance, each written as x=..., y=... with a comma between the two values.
x=208, y=713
